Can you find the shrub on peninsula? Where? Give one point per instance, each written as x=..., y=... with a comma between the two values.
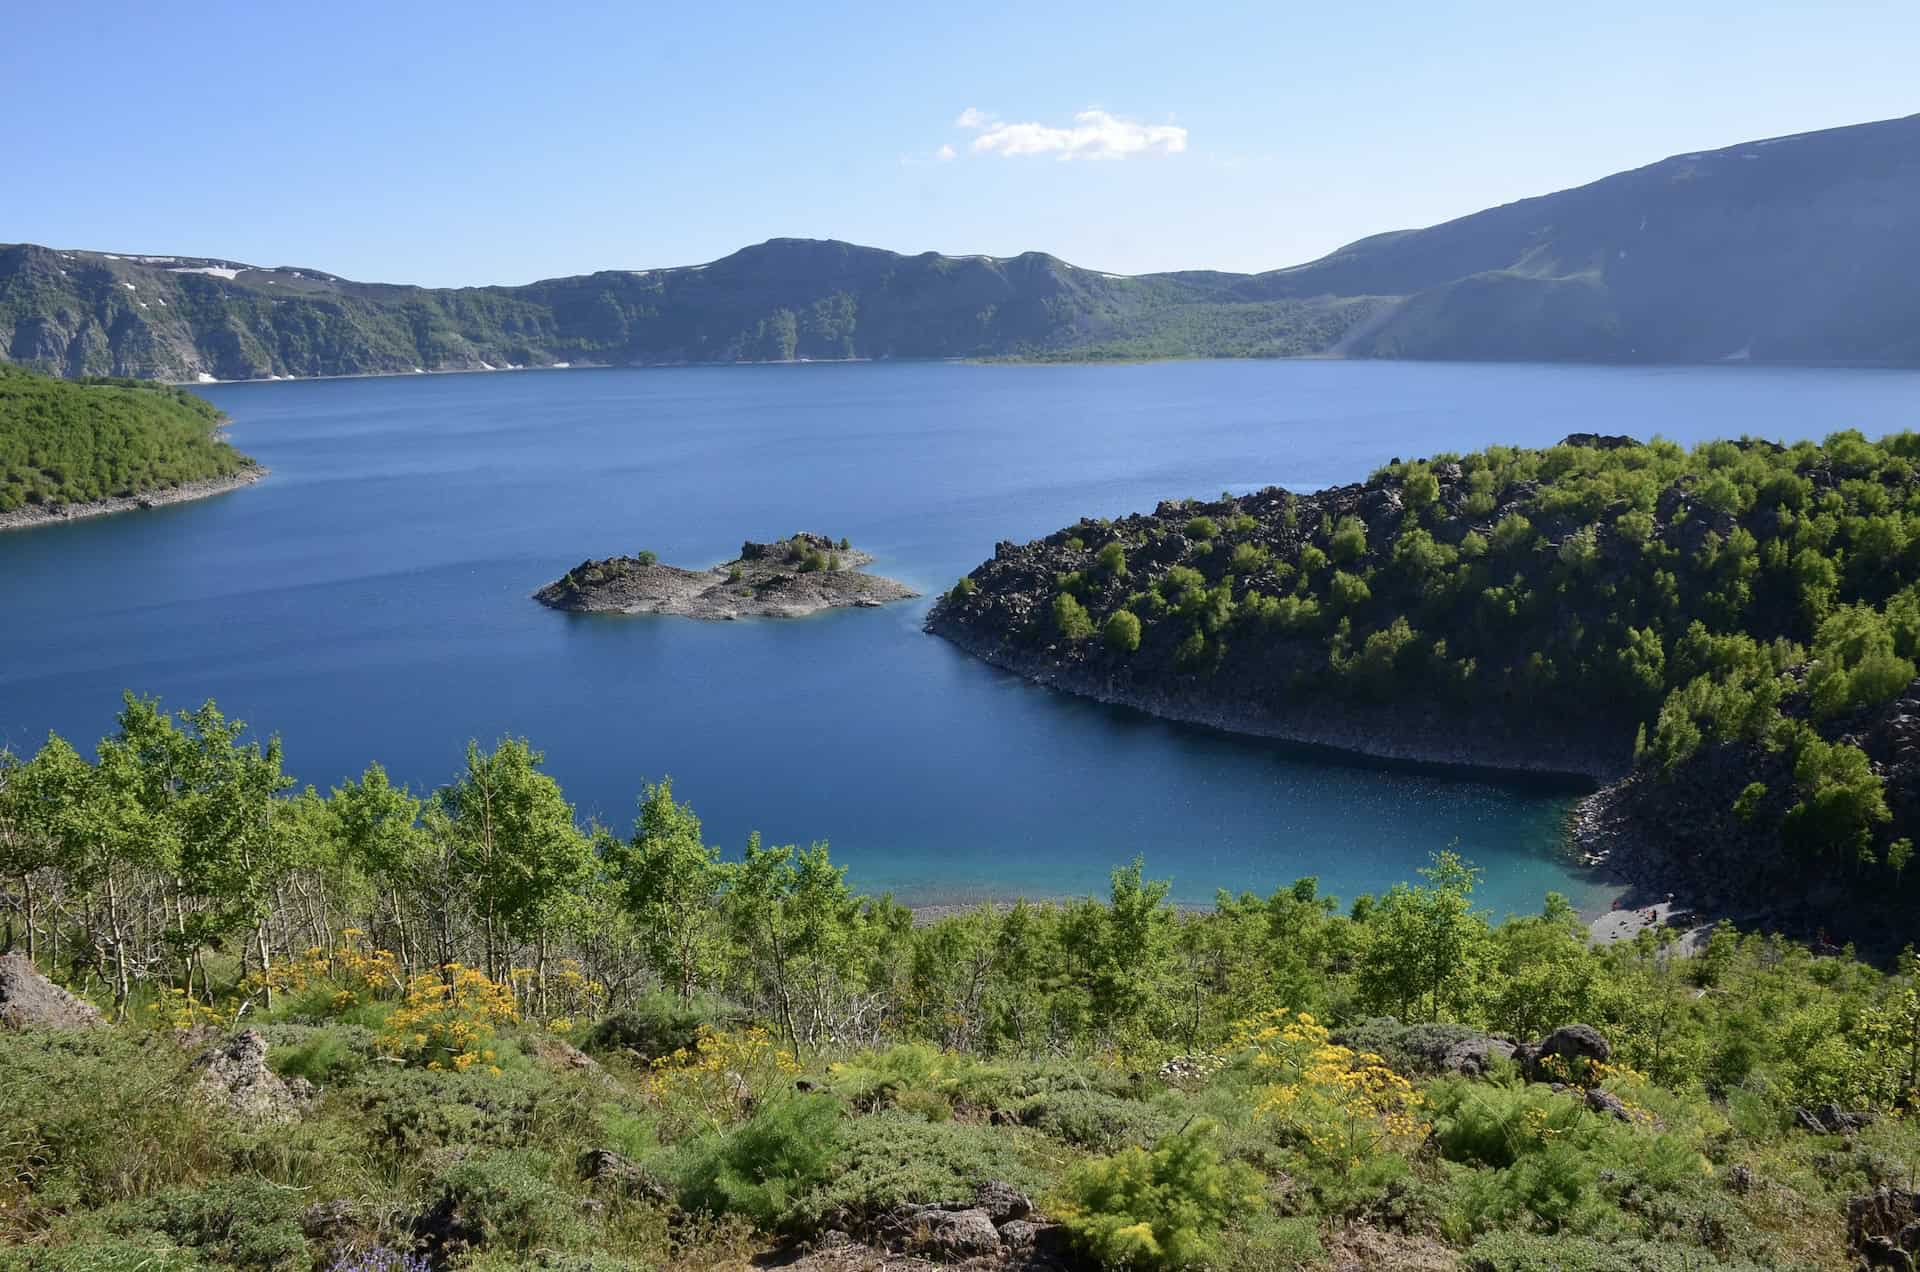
x=1123, y=632
x=1070, y=618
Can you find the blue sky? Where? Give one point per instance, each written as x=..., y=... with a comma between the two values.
x=481, y=143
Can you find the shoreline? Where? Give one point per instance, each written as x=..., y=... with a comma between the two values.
x=206, y=488
x=1388, y=734
x=993, y=360
x=1600, y=841
x=764, y=581
x=1619, y=924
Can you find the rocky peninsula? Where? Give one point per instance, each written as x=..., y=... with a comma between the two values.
x=1727, y=638
x=788, y=578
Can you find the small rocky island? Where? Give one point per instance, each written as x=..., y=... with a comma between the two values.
x=789, y=578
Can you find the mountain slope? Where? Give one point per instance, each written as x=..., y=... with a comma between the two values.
x=85, y=313
x=1797, y=249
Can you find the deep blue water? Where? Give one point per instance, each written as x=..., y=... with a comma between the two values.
x=370, y=600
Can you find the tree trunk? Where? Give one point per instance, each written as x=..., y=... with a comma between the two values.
x=121, y=987
x=266, y=962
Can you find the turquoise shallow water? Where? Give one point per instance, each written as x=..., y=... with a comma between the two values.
x=370, y=600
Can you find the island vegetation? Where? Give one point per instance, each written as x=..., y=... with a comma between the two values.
x=1739, y=621
x=66, y=444
x=374, y=1029
x=788, y=578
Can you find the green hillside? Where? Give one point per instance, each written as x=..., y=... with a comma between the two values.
x=1795, y=249
x=80, y=313
x=1741, y=620
x=380, y=1031
x=75, y=442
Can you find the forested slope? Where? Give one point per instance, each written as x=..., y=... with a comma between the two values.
x=1587, y=607
x=65, y=443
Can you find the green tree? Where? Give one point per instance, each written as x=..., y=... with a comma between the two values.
x=672, y=884
x=515, y=844
x=215, y=796
x=1070, y=618
x=376, y=826
x=1426, y=945
x=1123, y=631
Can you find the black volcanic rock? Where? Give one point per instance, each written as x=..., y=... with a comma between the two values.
x=788, y=578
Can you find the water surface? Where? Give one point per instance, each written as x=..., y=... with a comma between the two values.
x=370, y=600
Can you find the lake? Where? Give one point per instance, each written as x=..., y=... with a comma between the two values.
x=370, y=601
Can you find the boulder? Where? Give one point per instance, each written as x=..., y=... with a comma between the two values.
x=604, y=1166
x=1474, y=1057
x=1576, y=1046
x=443, y=1233
x=1034, y=1244
x=1883, y=1228
x=1831, y=1119
x=330, y=1222
x=958, y=1233
x=962, y=1234
x=1186, y=1069
x=29, y=1000
x=1608, y=1103
x=234, y=1077
x=1002, y=1202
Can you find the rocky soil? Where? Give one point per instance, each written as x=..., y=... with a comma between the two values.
x=789, y=578
x=29, y=1000
x=234, y=1078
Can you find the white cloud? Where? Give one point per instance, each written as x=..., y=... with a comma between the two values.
x=973, y=117
x=1094, y=134
x=946, y=154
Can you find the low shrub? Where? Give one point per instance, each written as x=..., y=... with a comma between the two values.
x=1095, y=1120
x=661, y=1024
x=1532, y=1252
x=1161, y=1209
x=920, y=1075
x=1122, y=632
x=410, y=1111
x=145, y=1253
x=322, y=1056
x=1416, y=1050
x=243, y=1221
x=762, y=1167
x=892, y=1158
x=97, y=1117
x=1269, y=1243
x=510, y=1197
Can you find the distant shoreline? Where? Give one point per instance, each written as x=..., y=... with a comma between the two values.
x=1388, y=734
x=34, y=517
x=1069, y=360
